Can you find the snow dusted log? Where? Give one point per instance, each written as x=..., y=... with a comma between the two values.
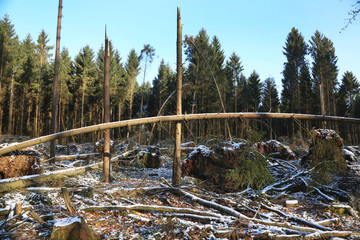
x=296, y=219
x=153, y=208
x=172, y=118
x=7, y=185
x=73, y=157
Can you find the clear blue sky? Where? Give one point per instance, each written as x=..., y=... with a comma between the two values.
x=256, y=30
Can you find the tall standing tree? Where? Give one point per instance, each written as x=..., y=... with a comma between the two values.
x=65, y=96
x=233, y=71
x=26, y=81
x=43, y=55
x=324, y=72
x=132, y=69
x=270, y=99
x=85, y=75
x=349, y=89
x=295, y=51
x=147, y=53
x=163, y=86
x=254, y=88
x=306, y=90
x=8, y=39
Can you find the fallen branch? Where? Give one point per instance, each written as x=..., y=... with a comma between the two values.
x=296, y=219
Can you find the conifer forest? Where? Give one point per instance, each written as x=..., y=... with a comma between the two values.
x=202, y=151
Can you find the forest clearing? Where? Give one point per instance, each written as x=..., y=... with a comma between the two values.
x=204, y=152
x=140, y=202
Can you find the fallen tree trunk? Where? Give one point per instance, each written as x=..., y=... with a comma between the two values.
x=172, y=118
x=9, y=184
x=154, y=208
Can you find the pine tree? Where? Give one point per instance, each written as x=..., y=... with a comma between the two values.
x=270, y=99
x=65, y=96
x=163, y=86
x=233, y=71
x=324, y=72
x=197, y=51
x=295, y=50
x=132, y=69
x=254, y=88
x=8, y=41
x=349, y=89
x=84, y=80
x=307, y=96
x=43, y=55
x=148, y=52
x=26, y=81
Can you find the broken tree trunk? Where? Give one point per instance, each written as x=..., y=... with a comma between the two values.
x=106, y=155
x=55, y=84
x=176, y=179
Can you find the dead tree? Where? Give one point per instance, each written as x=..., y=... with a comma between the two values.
x=106, y=155
x=55, y=84
x=176, y=180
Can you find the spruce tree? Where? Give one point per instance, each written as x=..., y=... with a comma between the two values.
x=324, y=72
x=132, y=69
x=8, y=41
x=295, y=51
x=84, y=80
x=349, y=89
x=254, y=88
x=233, y=71
x=306, y=91
x=270, y=99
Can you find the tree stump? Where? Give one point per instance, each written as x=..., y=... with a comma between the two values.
x=72, y=228
x=19, y=163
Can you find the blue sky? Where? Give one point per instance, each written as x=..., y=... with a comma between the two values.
x=256, y=30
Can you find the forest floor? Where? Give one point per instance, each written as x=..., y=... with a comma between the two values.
x=140, y=204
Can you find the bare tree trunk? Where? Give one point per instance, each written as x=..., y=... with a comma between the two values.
x=11, y=105
x=176, y=180
x=106, y=156
x=322, y=102
x=55, y=85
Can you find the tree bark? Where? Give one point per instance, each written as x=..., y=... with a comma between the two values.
x=11, y=104
x=176, y=179
x=106, y=156
x=55, y=84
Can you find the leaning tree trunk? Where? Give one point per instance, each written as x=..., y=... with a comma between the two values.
x=55, y=85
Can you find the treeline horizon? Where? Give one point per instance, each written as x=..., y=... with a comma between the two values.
x=26, y=76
